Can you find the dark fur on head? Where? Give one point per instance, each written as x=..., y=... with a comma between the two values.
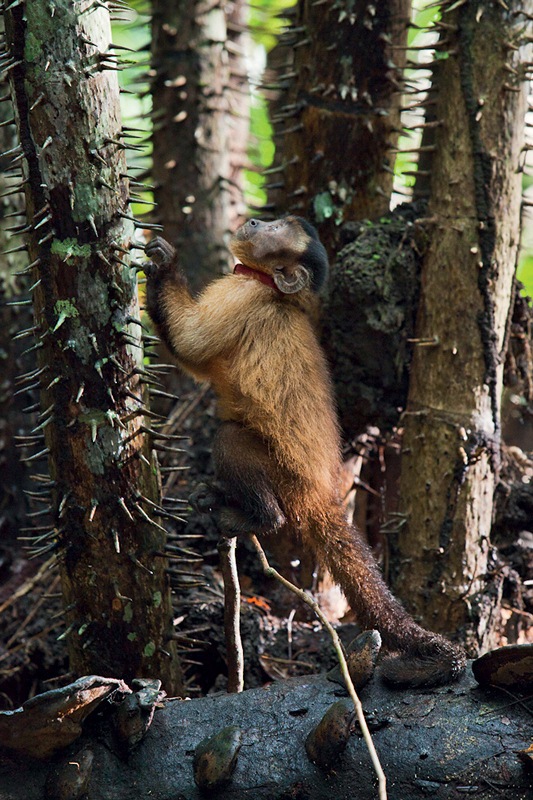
x=315, y=258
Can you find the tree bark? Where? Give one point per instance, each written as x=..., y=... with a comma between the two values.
x=337, y=116
x=451, y=444
x=451, y=742
x=200, y=102
x=104, y=477
x=334, y=79
x=14, y=320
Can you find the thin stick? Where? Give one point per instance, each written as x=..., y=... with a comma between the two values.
x=271, y=572
x=232, y=613
x=28, y=585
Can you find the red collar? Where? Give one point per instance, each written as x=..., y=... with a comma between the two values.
x=268, y=280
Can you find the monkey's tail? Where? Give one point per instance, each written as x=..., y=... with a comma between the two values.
x=433, y=661
x=424, y=658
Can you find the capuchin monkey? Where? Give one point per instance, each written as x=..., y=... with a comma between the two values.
x=277, y=455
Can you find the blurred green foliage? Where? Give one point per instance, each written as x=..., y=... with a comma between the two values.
x=131, y=37
x=423, y=16
x=266, y=21
x=525, y=265
x=132, y=30
x=525, y=272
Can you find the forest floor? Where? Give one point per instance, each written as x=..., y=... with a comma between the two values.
x=279, y=641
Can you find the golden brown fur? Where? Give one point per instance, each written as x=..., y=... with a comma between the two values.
x=277, y=454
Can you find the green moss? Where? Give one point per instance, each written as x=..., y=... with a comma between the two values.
x=44, y=26
x=370, y=318
x=149, y=650
x=158, y=599
x=128, y=613
x=65, y=309
x=66, y=248
x=323, y=206
x=332, y=204
x=86, y=202
x=32, y=48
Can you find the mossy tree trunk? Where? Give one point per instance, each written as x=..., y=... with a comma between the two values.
x=451, y=443
x=104, y=482
x=200, y=113
x=337, y=115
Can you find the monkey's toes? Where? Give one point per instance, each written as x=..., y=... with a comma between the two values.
x=204, y=498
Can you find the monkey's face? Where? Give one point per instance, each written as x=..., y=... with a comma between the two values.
x=288, y=249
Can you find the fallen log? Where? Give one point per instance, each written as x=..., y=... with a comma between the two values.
x=450, y=742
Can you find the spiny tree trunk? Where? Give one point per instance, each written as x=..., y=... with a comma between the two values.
x=451, y=444
x=13, y=319
x=337, y=116
x=200, y=111
x=335, y=76
x=104, y=487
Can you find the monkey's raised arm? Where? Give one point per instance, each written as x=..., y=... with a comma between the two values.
x=195, y=330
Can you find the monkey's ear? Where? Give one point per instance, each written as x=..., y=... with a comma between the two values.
x=292, y=279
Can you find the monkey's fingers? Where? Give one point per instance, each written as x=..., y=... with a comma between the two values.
x=205, y=498
x=160, y=252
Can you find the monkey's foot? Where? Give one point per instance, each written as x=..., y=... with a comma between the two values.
x=206, y=498
x=230, y=518
x=233, y=521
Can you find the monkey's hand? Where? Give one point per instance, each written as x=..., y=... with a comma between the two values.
x=164, y=281
x=163, y=257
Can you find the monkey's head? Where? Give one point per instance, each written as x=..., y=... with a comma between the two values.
x=288, y=249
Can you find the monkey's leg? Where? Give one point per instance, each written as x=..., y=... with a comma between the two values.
x=426, y=659
x=242, y=499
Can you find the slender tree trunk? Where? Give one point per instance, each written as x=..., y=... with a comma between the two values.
x=200, y=107
x=13, y=320
x=337, y=116
x=104, y=483
x=451, y=444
